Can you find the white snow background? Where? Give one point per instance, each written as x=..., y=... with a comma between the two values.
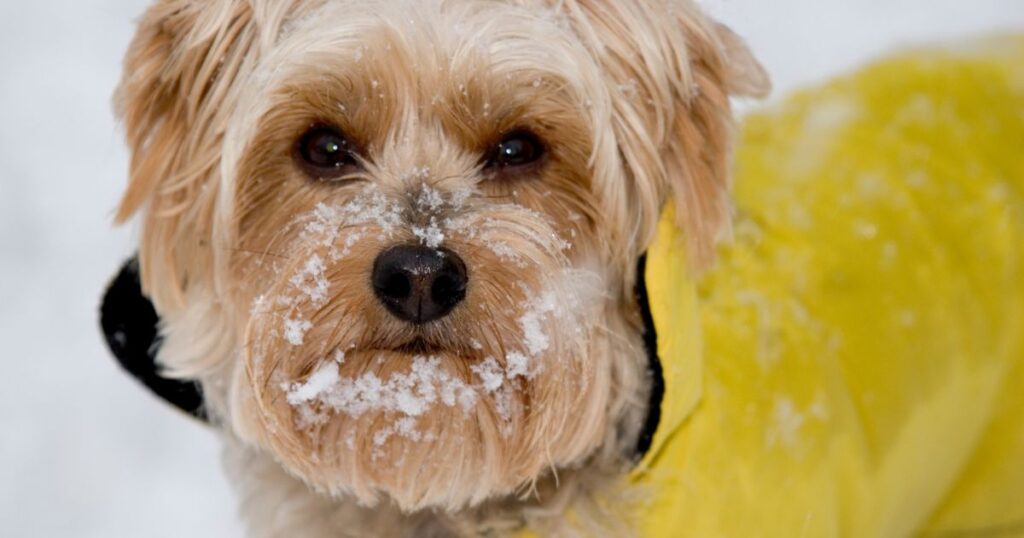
x=84, y=450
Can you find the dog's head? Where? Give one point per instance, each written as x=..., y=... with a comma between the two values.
x=396, y=240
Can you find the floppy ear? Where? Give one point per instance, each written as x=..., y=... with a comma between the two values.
x=176, y=93
x=673, y=71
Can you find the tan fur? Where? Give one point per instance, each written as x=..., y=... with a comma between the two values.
x=631, y=99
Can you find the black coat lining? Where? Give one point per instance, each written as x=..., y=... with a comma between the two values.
x=129, y=325
x=654, y=367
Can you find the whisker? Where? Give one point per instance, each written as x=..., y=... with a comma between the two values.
x=254, y=252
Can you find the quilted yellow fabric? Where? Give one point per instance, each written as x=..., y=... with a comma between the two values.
x=854, y=363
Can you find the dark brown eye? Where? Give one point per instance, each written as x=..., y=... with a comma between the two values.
x=518, y=148
x=324, y=153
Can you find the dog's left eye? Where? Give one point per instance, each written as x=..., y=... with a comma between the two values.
x=324, y=153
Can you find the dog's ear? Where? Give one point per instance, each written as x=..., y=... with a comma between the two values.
x=672, y=70
x=744, y=74
x=180, y=81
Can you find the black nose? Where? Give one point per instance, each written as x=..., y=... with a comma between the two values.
x=419, y=284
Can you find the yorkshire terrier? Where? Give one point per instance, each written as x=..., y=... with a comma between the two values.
x=395, y=242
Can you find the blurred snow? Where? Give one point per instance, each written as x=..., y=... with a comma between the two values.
x=86, y=452
x=801, y=41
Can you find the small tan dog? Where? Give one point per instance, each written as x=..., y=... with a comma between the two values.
x=396, y=242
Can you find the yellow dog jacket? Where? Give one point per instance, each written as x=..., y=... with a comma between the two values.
x=854, y=364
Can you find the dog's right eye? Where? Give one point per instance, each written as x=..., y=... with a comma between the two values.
x=324, y=153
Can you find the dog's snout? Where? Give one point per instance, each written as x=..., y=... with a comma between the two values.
x=419, y=284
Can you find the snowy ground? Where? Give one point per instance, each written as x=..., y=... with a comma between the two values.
x=84, y=452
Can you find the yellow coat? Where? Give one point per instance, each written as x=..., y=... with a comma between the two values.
x=854, y=364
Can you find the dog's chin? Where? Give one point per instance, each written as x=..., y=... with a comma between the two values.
x=416, y=424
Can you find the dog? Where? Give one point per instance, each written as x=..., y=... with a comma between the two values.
x=398, y=246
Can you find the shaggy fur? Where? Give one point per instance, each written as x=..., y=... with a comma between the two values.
x=524, y=403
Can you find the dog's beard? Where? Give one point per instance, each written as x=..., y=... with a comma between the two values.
x=477, y=404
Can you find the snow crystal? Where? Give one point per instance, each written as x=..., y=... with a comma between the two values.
x=370, y=207
x=411, y=394
x=490, y=374
x=309, y=417
x=259, y=305
x=406, y=427
x=381, y=436
x=311, y=281
x=536, y=340
x=504, y=251
x=295, y=330
x=459, y=197
x=455, y=392
x=429, y=199
x=317, y=383
x=517, y=365
x=403, y=427
x=420, y=173
x=430, y=236
x=786, y=423
x=865, y=229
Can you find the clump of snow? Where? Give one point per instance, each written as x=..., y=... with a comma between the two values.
x=403, y=427
x=311, y=281
x=458, y=197
x=259, y=305
x=295, y=330
x=517, y=365
x=490, y=373
x=430, y=235
x=505, y=252
x=318, y=382
x=536, y=340
x=454, y=391
x=429, y=199
x=325, y=224
x=785, y=425
x=409, y=394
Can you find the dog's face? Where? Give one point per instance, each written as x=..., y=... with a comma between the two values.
x=397, y=240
